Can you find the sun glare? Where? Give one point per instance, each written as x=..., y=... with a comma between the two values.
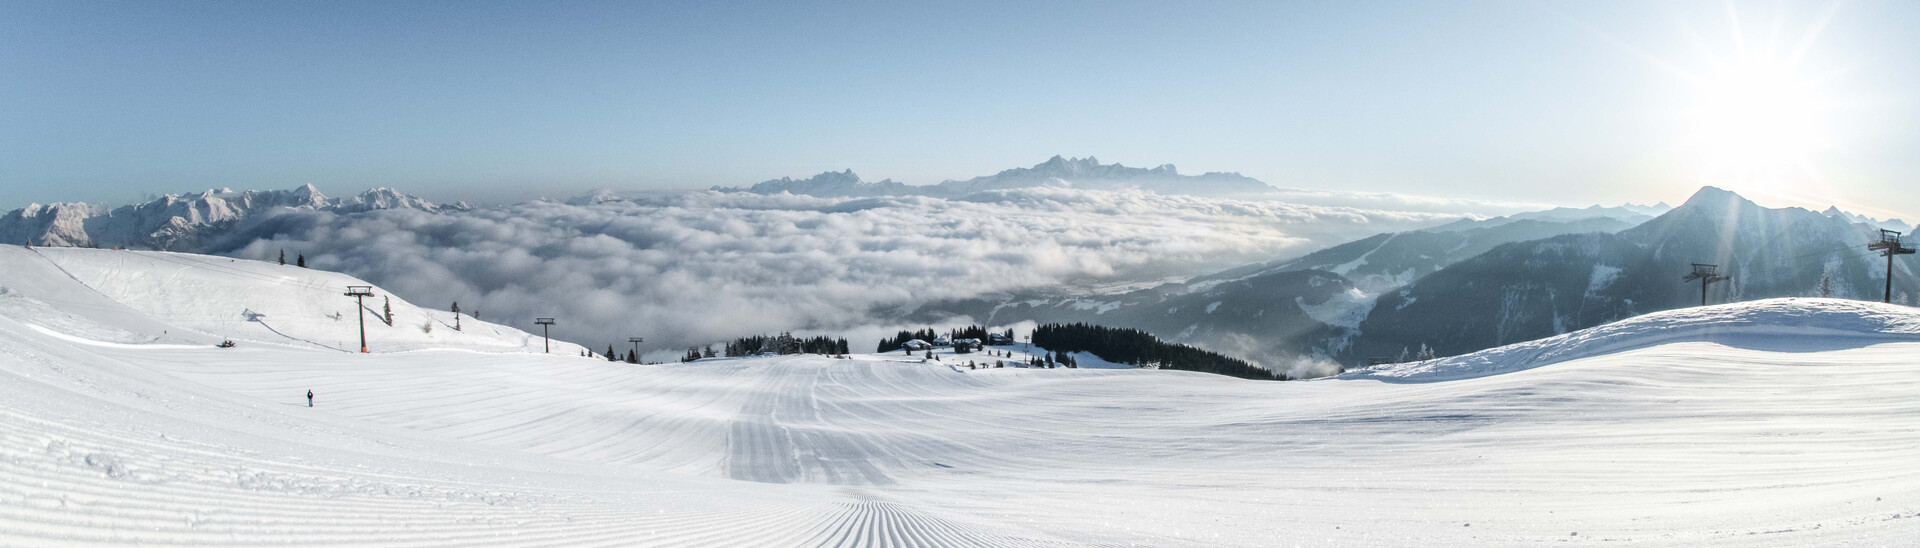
x=1757, y=121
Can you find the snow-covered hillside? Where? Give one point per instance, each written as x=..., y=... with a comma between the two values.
x=1795, y=325
x=116, y=434
x=203, y=299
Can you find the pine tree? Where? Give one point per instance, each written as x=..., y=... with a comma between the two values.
x=388, y=308
x=301, y=260
x=283, y=257
x=1826, y=285
x=610, y=355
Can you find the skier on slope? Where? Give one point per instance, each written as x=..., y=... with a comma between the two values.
x=309, y=398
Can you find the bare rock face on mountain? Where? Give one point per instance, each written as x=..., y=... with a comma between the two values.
x=184, y=221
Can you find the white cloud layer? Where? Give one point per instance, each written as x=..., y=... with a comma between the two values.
x=702, y=267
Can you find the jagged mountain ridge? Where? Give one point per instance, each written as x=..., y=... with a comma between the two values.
x=1889, y=224
x=184, y=221
x=1084, y=173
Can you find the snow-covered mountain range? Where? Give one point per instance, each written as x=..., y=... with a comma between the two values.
x=1084, y=173
x=183, y=221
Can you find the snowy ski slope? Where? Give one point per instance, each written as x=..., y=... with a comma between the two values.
x=252, y=301
x=1774, y=423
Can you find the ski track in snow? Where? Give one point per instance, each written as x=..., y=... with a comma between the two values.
x=1680, y=442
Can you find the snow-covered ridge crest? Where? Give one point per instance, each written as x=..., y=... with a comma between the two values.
x=179, y=221
x=1774, y=323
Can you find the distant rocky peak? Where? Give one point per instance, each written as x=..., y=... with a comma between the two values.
x=1068, y=166
x=1716, y=199
x=847, y=176
x=307, y=194
x=383, y=198
x=1715, y=203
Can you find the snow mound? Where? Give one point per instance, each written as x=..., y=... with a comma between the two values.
x=1790, y=324
x=151, y=297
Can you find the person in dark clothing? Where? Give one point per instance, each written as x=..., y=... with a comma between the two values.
x=309, y=398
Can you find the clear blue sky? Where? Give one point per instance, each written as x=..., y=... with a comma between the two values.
x=1558, y=102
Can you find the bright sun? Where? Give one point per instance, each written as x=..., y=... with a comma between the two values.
x=1758, y=121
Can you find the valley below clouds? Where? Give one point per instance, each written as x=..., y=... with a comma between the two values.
x=701, y=267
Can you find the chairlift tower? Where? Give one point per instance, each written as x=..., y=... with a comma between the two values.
x=1889, y=246
x=1707, y=274
x=456, y=316
x=636, y=346
x=547, y=342
x=359, y=294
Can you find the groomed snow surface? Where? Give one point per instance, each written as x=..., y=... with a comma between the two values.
x=1773, y=423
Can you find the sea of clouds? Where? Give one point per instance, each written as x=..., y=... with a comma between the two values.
x=702, y=267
